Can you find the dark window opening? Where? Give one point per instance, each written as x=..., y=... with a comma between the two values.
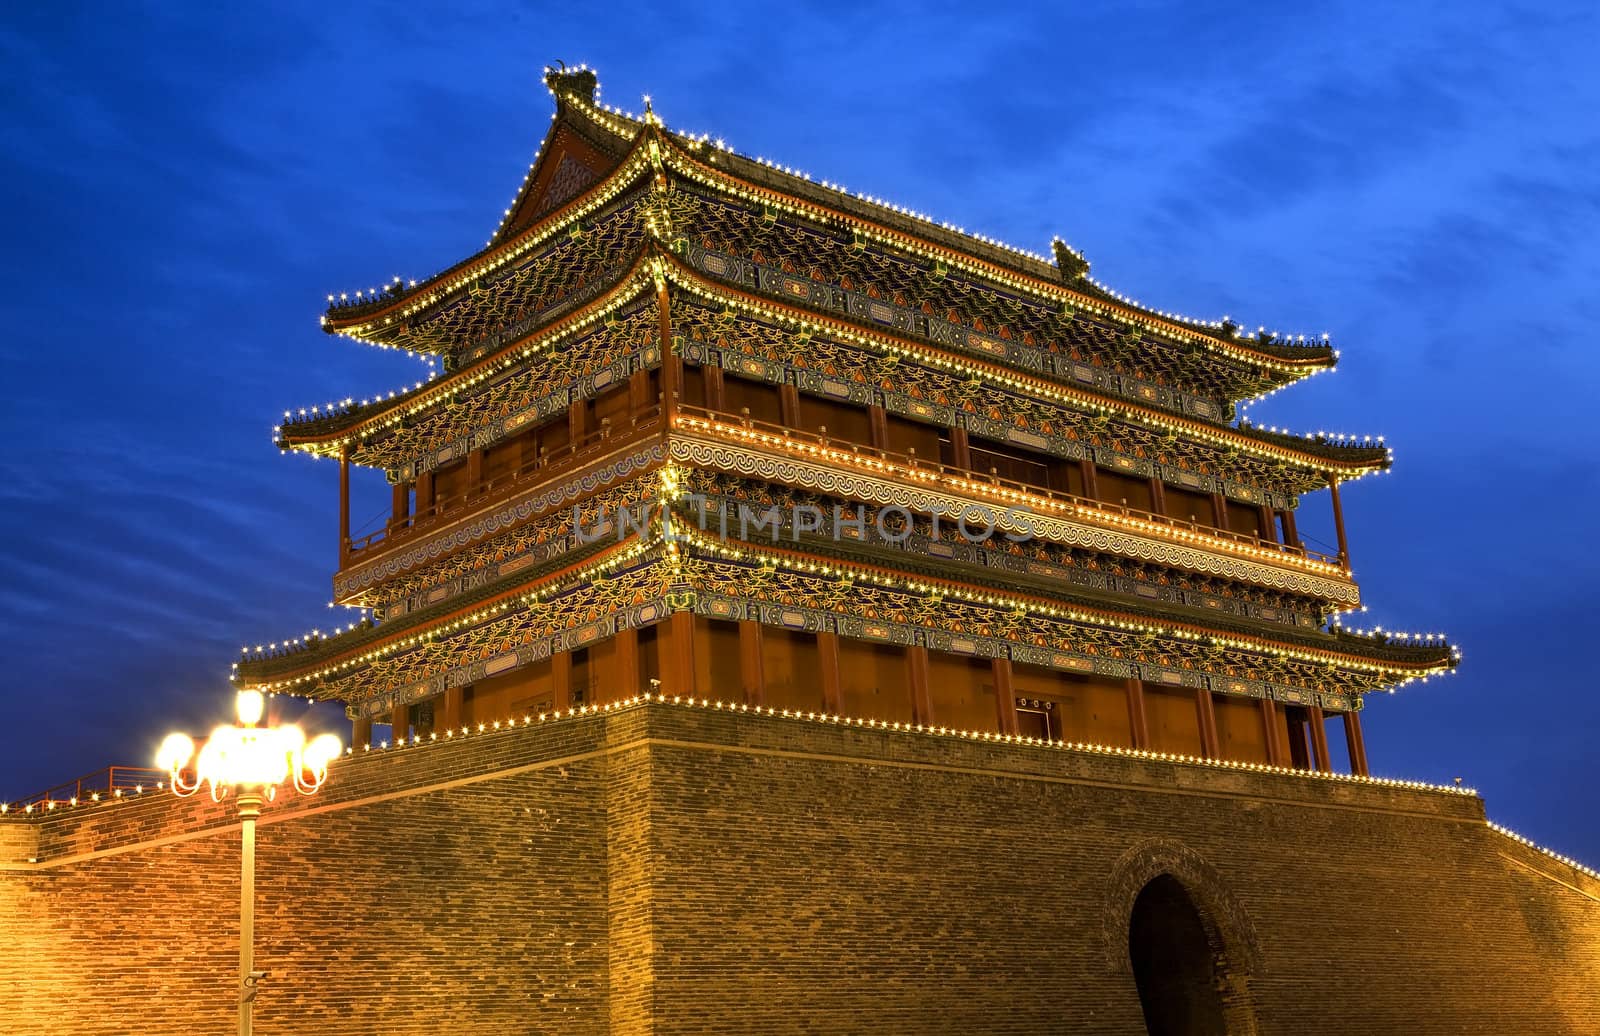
x=694, y=386
x=908, y=436
x=1015, y=465
x=1125, y=490
x=1245, y=519
x=758, y=397
x=1188, y=506
x=1036, y=718
x=583, y=678
x=843, y=421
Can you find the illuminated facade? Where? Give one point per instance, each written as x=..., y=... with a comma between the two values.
x=710, y=427
x=790, y=615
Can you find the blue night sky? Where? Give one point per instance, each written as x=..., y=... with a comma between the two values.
x=183, y=190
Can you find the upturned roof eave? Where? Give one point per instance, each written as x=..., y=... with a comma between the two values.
x=1354, y=647
x=352, y=647
x=1039, y=274
x=1349, y=462
x=348, y=646
x=343, y=320
x=343, y=427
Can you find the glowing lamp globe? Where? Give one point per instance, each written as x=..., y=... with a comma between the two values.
x=248, y=756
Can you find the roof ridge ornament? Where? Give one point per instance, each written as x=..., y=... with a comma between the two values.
x=1073, y=266
x=580, y=82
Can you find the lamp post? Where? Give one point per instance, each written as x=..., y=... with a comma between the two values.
x=249, y=761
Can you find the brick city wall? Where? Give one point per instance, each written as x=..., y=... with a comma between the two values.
x=670, y=869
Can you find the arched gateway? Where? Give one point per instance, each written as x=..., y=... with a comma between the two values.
x=1176, y=930
x=1172, y=963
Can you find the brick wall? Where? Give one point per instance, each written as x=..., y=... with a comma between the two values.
x=674, y=869
x=452, y=888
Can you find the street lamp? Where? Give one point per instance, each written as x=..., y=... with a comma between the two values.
x=250, y=761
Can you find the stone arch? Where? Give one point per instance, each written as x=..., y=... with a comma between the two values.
x=1230, y=935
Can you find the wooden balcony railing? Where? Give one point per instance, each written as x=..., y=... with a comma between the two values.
x=742, y=427
x=537, y=470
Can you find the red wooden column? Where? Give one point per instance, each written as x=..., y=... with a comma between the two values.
x=716, y=389
x=625, y=661
x=1319, y=738
x=752, y=678
x=1219, y=510
x=399, y=504
x=474, y=473
x=455, y=708
x=1138, y=725
x=344, y=502
x=1356, y=744
x=1005, y=696
x=960, y=448
x=425, y=499
x=1091, y=484
x=1158, y=495
x=789, y=405
x=677, y=655
x=1206, y=714
x=678, y=377
x=828, y=666
x=639, y=393
x=360, y=732
x=561, y=680
x=1272, y=722
x=671, y=373
x=878, y=422
x=1269, y=525
x=400, y=721
x=921, y=693
x=1338, y=523
x=577, y=422
x=1291, y=535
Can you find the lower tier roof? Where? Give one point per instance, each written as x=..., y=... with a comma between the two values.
x=642, y=579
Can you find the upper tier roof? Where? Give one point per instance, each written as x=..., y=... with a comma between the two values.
x=358, y=425
x=588, y=145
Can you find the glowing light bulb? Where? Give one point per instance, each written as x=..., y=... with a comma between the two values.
x=175, y=752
